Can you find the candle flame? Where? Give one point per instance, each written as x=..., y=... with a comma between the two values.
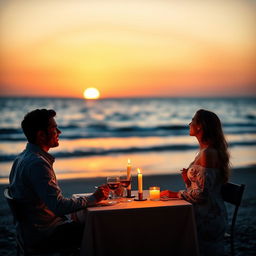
x=139, y=171
x=129, y=161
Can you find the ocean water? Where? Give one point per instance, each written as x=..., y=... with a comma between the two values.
x=99, y=136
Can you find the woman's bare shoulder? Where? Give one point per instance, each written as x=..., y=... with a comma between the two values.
x=209, y=158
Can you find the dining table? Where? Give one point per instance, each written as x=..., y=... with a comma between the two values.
x=121, y=228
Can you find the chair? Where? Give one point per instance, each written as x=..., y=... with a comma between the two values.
x=232, y=193
x=21, y=248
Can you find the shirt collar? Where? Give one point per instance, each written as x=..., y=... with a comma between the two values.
x=36, y=149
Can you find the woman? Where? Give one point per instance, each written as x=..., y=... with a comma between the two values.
x=203, y=179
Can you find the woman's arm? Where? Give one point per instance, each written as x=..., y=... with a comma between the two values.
x=184, y=174
x=196, y=193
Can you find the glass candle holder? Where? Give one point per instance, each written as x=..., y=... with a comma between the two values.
x=154, y=193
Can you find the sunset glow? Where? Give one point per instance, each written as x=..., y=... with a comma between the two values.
x=91, y=93
x=128, y=48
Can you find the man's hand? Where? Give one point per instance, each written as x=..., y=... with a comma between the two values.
x=101, y=193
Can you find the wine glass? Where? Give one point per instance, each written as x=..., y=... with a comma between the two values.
x=125, y=182
x=113, y=183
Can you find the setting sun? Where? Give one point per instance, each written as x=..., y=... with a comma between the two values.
x=91, y=93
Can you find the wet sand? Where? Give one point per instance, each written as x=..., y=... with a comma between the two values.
x=245, y=236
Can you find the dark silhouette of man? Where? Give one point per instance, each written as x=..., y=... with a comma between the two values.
x=33, y=184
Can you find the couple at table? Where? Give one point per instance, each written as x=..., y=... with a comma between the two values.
x=33, y=183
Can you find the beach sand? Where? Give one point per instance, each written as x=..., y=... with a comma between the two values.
x=245, y=236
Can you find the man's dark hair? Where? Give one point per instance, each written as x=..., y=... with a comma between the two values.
x=36, y=120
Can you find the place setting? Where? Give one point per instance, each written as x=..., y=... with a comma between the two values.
x=121, y=189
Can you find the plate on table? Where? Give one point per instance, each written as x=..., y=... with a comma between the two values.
x=106, y=203
x=81, y=195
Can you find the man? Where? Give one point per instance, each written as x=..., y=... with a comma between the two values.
x=34, y=186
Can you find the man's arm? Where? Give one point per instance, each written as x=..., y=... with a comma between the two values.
x=45, y=185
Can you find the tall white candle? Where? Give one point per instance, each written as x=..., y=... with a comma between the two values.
x=129, y=168
x=140, y=184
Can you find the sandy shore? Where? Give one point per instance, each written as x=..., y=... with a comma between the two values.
x=245, y=237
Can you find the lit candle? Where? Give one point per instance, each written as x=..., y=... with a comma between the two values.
x=154, y=193
x=129, y=168
x=140, y=189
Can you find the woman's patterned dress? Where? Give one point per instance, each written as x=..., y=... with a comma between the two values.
x=210, y=211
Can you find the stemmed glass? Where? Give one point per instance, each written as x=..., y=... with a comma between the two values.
x=125, y=182
x=113, y=183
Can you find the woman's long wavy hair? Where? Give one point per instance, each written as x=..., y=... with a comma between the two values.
x=213, y=134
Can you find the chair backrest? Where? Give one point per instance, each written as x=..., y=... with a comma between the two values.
x=22, y=246
x=13, y=204
x=232, y=193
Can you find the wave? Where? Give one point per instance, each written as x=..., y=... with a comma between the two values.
x=144, y=134
x=106, y=131
x=104, y=126
x=101, y=152
x=10, y=130
x=253, y=124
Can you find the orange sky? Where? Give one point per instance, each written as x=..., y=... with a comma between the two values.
x=128, y=48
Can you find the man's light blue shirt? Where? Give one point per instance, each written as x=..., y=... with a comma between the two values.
x=33, y=183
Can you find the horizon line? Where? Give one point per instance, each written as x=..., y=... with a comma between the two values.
x=128, y=97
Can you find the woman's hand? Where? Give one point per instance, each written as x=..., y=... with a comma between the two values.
x=101, y=193
x=164, y=193
x=169, y=193
x=184, y=175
